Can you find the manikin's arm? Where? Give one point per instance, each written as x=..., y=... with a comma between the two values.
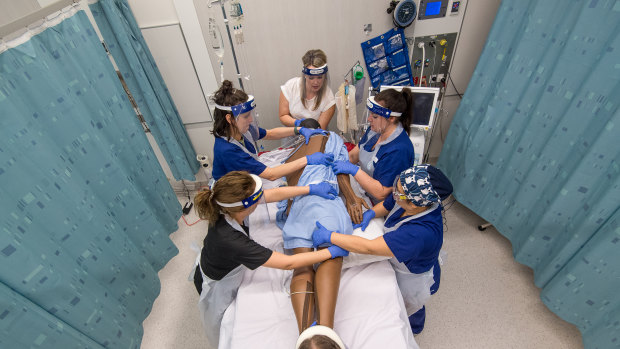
x=354, y=203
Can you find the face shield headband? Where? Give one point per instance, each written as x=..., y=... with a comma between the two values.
x=250, y=200
x=315, y=71
x=374, y=107
x=239, y=109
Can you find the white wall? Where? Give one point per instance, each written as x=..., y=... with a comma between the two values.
x=149, y=13
x=12, y=10
x=278, y=32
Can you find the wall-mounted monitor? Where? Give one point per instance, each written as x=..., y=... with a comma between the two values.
x=432, y=9
x=424, y=104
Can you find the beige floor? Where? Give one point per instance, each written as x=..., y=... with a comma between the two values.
x=486, y=299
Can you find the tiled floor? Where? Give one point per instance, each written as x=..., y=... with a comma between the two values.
x=486, y=299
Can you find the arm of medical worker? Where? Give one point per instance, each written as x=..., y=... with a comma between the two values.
x=318, y=158
x=281, y=132
x=323, y=189
x=352, y=243
x=353, y=202
x=281, y=261
x=285, y=114
x=354, y=155
x=326, y=117
x=369, y=184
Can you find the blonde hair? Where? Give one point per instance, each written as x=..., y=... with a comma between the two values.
x=232, y=187
x=315, y=58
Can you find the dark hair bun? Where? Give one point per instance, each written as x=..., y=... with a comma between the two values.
x=220, y=96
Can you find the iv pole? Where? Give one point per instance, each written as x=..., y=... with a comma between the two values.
x=232, y=46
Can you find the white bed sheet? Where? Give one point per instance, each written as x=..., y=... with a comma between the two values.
x=370, y=312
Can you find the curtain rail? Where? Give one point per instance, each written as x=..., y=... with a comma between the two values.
x=28, y=19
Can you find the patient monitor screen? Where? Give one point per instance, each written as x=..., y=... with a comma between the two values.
x=424, y=103
x=422, y=108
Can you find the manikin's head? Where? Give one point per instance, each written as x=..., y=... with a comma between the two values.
x=310, y=123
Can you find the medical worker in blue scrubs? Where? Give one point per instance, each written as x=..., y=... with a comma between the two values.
x=385, y=149
x=413, y=234
x=236, y=133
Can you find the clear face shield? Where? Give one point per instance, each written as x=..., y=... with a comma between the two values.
x=245, y=116
x=259, y=211
x=374, y=111
x=397, y=193
x=314, y=78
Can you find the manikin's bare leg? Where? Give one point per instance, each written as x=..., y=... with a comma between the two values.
x=326, y=284
x=302, y=293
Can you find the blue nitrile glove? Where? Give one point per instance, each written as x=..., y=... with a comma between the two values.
x=345, y=167
x=324, y=190
x=337, y=251
x=298, y=121
x=319, y=158
x=321, y=235
x=366, y=217
x=308, y=132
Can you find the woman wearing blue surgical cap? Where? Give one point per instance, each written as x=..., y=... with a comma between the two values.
x=308, y=96
x=236, y=133
x=413, y=235
x=385, y=149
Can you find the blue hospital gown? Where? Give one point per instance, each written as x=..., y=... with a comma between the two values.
x=306, y=210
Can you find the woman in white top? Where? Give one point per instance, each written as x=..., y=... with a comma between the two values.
x=308, y=96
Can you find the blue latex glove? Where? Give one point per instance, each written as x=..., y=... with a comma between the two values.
x=298, y=122
x=344, y=167
x=321, y=235
x=366, y=217
x=308, y=132
x=319, y=158
x=337, y=251
x=324, y=190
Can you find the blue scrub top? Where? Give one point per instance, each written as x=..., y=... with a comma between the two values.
x=393, y=157
x=229, y=157
x=417, y=242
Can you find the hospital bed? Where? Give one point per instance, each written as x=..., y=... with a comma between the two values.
x=370, y=312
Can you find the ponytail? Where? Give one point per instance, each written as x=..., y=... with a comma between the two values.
x=407, y=116
x=400, y=102
x=206, y=207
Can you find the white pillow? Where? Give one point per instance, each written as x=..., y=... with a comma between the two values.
x=373, y=231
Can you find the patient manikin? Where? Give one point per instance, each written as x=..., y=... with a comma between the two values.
x=320, y=287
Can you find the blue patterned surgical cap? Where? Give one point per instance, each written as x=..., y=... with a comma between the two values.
x=425, y=185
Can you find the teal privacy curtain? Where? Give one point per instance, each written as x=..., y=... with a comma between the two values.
x=132, y=56
x=85, y=208
x=534, y=149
